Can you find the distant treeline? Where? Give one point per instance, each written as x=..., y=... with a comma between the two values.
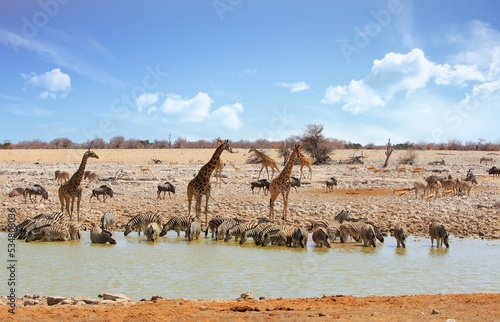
x=119, y=142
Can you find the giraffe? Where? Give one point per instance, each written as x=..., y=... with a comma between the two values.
x=305, y=161
x=72, y=189
x=220, y=165
x=282, y=184
x=200, y=186
x=266, y=162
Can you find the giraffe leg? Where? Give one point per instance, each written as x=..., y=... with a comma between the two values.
x=260, y=173
x=206, y=207
x=78, y=198
x=285, y=203
x=190, y=198
x=72, y=205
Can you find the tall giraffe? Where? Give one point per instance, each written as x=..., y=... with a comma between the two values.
x=72, y=189
x=220, y=164
x=266, y=162
x=305, y=162
x=282, y=184
x=200, y=186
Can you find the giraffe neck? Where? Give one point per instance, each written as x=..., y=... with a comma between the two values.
x=287, y=170
x=207, y=170
x=261, y=155
x=78, y=175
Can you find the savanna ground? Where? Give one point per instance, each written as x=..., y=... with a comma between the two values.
x=366, y=193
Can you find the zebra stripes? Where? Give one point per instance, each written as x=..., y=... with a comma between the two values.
x=152, y=231
x=101, y=236
x=108, y=221
x=359, y=231
x=320, y=237
x=400, y=235
x=49, y=232
x=177, y=223
x=439, y=233
x=194, y=230
x=139, y=222
x=238, y=229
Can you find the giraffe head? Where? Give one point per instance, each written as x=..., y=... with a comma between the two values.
x=91, y=154
x=225, y=143
x=296, y=149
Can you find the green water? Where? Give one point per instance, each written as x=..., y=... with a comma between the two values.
x=206, y=269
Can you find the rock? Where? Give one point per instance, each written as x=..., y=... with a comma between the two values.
x=53, y=300
x=434, y=311
x=246, y=296
x=115, y=297
x=30, y=302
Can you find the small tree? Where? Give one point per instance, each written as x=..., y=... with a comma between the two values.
x=314, y=142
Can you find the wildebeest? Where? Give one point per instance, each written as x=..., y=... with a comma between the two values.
x=165, y=187
x=36, y=189
x=103, y=190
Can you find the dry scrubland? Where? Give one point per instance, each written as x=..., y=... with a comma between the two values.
x=365, y=193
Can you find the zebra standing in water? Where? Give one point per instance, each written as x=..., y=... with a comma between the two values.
x=101, y=236
x=400, y=235
x=214, y=223
x=358, y=230
x=108, y=221
x=139, y=222
x=439, y=233
x=194, y=230
x=177, y=223
x=320, y=237
x=238, y=229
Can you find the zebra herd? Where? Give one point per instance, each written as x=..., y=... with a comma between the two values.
x=263, y=232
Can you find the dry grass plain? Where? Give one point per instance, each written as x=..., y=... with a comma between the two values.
x=366, y=193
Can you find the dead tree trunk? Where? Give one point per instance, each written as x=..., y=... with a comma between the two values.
x=388, y=153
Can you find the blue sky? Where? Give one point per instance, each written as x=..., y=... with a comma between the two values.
x=239, y=69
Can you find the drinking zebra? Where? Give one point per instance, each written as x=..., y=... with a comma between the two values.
x=177, y=223
x=140, y=221
x=400, y=235
x=101, y=236
x=439, y=233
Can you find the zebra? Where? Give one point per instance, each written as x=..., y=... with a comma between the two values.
x=49, y=232
x=253, y=233
x=74, y=229
x=400, y=235
x=264, y=233
x=238, y=229
x=224, y=227
x=320, y=237
x=152, y=231
x=367, y=234
x=299, y=236
x=194, y=230
x=177, y=223
x=278, y=238
x=165, y=187
x=101, y=236
x=350, y=229
x=22, y=230
x=439, y=233
x=140, y=221
x=108, y=221
x=214, y=223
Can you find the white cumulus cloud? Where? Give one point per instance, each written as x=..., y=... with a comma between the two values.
x=228, y=115
x=55, y=83
x=195, y=109
x=146, y=100
x=294, y=87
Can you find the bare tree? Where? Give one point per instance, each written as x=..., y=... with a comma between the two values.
x=314, y=142
x=388, y=153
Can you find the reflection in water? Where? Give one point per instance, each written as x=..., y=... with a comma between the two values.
x=206, y=269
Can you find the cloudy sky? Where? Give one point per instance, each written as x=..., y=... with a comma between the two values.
x=367, y=70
